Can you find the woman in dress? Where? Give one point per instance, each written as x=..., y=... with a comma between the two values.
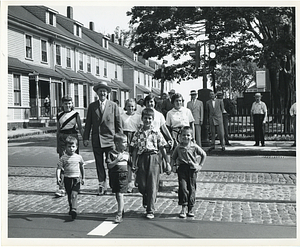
x=131, y=120
x=178, y=117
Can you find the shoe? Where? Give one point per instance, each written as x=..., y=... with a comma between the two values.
x=102, y=191
x=223, y=148
x=150, y=216
x=70, y=212
x=73, y=214
x=190, y=213
x=60, y=193
x=118, y=219
x=144, y=206
x=182, y=213
x=256, y=144
x=227, y=144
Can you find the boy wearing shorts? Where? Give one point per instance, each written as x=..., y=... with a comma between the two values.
x=187, y=160
x=72, y=165
x=117, y=161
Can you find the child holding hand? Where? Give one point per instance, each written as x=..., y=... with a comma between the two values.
x=187, y=160
x=117, y=161
x=72, y=165
x=147, y=143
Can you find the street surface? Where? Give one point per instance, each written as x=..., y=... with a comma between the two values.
x=237, y=197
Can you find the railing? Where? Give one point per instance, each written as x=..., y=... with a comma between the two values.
x=51, y=113
x=277, y=124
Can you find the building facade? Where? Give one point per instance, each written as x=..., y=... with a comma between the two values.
x=51, y=55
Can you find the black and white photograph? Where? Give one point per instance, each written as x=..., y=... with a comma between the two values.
x=179, y=118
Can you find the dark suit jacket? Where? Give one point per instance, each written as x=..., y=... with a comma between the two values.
x=103, y=126
x=215, y=114
x=166, y=106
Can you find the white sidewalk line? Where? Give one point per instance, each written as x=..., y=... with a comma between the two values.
x=88, y=162
x=103, y=229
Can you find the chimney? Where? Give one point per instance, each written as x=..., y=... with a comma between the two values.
x=70, y=12
x=92, y=26
x=112, y=38
x=121, y=41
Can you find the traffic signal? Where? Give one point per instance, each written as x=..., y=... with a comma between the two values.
x=212, y=56
x=196, y=55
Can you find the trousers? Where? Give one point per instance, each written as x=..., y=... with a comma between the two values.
x=72, y=186
x=259, y=128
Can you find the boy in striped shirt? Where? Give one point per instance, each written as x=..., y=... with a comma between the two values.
x=117, y=161
x=72, y=165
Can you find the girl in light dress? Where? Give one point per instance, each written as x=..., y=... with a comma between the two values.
x=131, y=120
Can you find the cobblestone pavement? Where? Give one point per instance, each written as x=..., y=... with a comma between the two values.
x=260, y=198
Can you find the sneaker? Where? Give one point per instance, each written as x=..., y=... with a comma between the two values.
x=118, y=219
x=182, y=213
x=150, y=216
x=190, y=213
x=60, y=193
x=73, y=214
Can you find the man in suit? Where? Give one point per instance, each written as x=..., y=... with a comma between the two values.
x=166, y=104
x=103, y=118
x=215, y=109
x=196, y=107
x=228, y=112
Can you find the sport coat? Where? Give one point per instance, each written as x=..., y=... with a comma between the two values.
x=197, y=110
x=215, y=116
x=166, y=106
x=103, y=126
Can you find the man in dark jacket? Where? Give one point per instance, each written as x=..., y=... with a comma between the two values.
x=103, y=118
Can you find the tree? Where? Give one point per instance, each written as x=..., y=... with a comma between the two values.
x=265, y=34
x=238, y=75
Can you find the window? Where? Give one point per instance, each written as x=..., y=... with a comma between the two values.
x=152, y=82
x=135, y=57
x=17, y=90
x=147, y=62
x=88, y=63
x=58, y=55
x=145, y=82
x=28, y=46
x=44, y=51
x=68, y=57
x=81, y=61
x=116, y=71
x=85, y=96
x=105, y=68
x=76, y=96
x=51, y=18
x=139, y=80
x=97, y=66
x=148, y=78
x=105, y=43
x=77, y=30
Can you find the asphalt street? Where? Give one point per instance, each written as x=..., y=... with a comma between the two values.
x=237, y=197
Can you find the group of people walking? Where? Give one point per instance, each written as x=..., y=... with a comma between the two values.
x=135, y=146
x=139, y=144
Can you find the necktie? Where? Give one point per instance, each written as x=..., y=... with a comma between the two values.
x=102, y=107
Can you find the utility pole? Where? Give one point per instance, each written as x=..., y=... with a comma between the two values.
x=162, y=81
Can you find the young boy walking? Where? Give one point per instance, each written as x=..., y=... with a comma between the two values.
x=72, y=165
x=146, y=144
x=187, y=159
x=117, y=162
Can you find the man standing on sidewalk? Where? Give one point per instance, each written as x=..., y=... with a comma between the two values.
x=103, y=118
x=259, y=116
x=196, y=107
x=214, y=109
x=228, y=112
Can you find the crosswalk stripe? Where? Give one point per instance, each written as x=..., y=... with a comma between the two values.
x=89, y=161
x=104, y=228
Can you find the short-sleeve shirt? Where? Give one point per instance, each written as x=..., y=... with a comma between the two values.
x=131, y=122
x=121, y=166
x=179, y=118
x=70, y=164
x=147, y=140
x=158, y=121
x=258, y=108
x=183, y=155
x=67, y=120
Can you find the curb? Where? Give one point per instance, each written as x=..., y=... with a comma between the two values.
x=37, y=132
x=251, y=153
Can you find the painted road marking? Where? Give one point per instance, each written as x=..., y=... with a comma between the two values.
x=104, y=228
x=89, y=161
